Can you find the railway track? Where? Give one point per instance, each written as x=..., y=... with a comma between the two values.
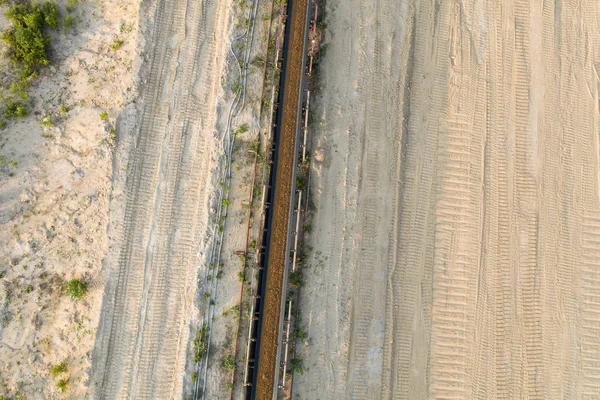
x=267, y=320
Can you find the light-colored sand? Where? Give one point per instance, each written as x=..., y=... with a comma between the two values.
x=144, y=329
x=456, y=246
x=55, y=189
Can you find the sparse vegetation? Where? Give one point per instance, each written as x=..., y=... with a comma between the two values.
x=296, y=278
x=26, y=38
x=200, y=343
x=47, y=122
x=301, y=334
x=297, y=365
x=76, y=288
x=68, y=22
x=241, y=129
x=117, y=44
x=59, y=368
x=228, y=363
x=113, y=133
x=242, y=276
x=235, y=310
x=15, y=109
x=62, y=385
x=104, y=115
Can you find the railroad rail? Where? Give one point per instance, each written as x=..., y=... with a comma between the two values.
x=268, y=309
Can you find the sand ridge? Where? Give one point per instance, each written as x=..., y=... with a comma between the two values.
x=143, y=332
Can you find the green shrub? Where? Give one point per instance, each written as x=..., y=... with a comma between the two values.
x=104, y=116
x=297, y=365
x=62, y=385
x=76, y=288
x=68, y=22
x=70, y=5
x=19, y=87
x=15, y=109
x=296, y=278
x=60, y=368
x=241, y=129
x=117, y=44
x=47, y=122
x=228, y=363
x=28, y=42
x=51, y=14
x=200, y=343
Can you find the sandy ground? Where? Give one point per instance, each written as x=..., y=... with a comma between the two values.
x=456, y=242
x=55, y=189
x=161, y=237
x=129, y=213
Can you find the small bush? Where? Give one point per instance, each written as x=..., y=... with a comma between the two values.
x=19, y=87
x=104, y=115
x=76, y=288
x=62, y=385
x=200, y=343
x=117, y=44
x=301, y=334
x=296, y=278
x=51, y=14
x=15, y=109
x=71, y=5
x=242, y=276
x=26, y=38
x=241, y=129
x=47, y=122
x=60, y=368
x=228, y=363
x=297, y=365
x=68, y=22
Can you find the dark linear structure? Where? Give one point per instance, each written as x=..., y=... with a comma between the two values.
x=272, y=275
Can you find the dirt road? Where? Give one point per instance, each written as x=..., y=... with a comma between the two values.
x=144, y=327
x=456, y=246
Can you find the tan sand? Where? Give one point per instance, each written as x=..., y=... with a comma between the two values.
x=55, y=189
x=144, y=328
x=456, y=246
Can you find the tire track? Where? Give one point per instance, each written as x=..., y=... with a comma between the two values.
x=165, y=196
x=492, y=279
x=590, y=311
x=368, y=312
